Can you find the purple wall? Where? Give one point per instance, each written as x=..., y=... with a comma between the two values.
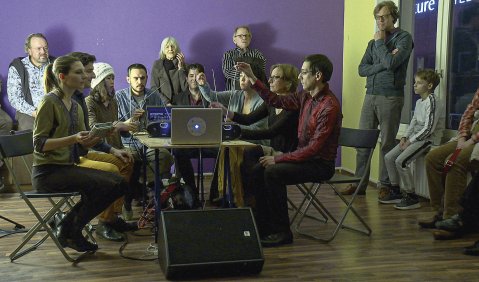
x=122, y=32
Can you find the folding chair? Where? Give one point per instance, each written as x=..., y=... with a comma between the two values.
x=17, y=226
x=19, y=144
x=353, y=138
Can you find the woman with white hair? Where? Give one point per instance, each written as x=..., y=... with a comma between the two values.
x=168, y=72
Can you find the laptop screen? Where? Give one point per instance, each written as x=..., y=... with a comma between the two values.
x=157, y=113
x=162, y=113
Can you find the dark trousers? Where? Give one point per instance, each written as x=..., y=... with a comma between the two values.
x=98, y=189
x=251, y=157
x=271, y=194
x=183, y=163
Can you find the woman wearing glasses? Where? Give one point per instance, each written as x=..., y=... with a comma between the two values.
x=282, y=125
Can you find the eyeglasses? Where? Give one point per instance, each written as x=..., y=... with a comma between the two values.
x=275, y=77
x=382, y=18
x=243, y=36
x=303, y=72
x=45, y=49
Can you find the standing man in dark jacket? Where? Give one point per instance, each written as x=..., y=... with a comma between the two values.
x=384, y=64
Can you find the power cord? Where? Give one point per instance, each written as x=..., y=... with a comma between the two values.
x=151, y=250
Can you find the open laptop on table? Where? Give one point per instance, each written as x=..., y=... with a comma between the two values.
x=159, y=120
x=196, y=126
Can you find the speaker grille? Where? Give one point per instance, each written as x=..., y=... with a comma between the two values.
x=211, y=236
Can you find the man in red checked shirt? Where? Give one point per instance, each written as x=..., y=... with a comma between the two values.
x=314, y=158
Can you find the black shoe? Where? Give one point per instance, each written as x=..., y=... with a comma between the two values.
x=277, y=239
x=472, y=250
x=75, y=241
x=105, y=231
x=56, y=221
x=440, y=234
x=452, y=224
x=122, y=226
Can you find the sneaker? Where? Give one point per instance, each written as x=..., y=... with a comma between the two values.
x=408, y=202
x=392, y=198
x=452, y=224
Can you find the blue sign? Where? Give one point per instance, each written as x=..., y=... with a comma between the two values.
x=430, y=5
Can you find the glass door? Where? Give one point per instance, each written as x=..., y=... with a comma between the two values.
x=463, y=58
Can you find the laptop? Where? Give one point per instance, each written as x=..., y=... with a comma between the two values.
x=196, y=126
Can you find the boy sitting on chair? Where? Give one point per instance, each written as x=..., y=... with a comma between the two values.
x=415, y=142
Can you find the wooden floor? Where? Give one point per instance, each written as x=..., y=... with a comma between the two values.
x=397, y=250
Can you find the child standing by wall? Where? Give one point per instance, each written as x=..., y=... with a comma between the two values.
x=414, y=143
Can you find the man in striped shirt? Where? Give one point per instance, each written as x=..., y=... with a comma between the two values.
x=242, y=53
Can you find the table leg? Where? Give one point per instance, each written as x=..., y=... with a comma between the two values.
x=201, y=179
x=144, y=168
x=158, y=187
x=228, y=196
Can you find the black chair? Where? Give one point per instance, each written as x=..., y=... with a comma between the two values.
x=353, y=138
x=17, y=226
x=20, y=144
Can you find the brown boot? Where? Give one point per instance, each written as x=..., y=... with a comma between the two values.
x=383, y=192
x=430, y=222
x=350, y=189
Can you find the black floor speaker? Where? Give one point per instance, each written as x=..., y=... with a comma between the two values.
x=207, y=243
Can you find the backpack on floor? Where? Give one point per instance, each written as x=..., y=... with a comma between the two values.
x=175, y=196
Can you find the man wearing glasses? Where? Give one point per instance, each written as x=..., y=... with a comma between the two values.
x=242, y=53
x=25, y=80
x=312, y=161
x=384, y=64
